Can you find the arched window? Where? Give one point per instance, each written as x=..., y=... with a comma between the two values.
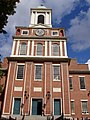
x=55, y=50
x=39, y=49
x=41, y=19
x=23, y=49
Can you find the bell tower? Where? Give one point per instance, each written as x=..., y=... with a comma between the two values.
x=40, y=17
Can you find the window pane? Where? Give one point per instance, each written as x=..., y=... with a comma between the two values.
x=55, y=49
x=20, y=71
x=82, y=83
x=56, y=72
x=72, y=107
x=39, y=49
x=38, y=73
x=23, y=49
x=70, y=83
x=84, y=106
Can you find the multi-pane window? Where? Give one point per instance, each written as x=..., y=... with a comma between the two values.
x=39, y=49
x=38, y=72
x=25, y=32
x=23, y=48
x=55, y=33
x=70, y=83
x=56, y=72
x=55, y=50
x=84, y=105
x=82, y=83
x=41, y=19
x=20, y=71
x=72, y=107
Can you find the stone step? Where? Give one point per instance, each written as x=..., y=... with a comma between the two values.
x=31, y=118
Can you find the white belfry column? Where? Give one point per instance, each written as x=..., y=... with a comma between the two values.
x=36, y=17
x=13, y=47
x=65, y=48
x=28, y=50
x=61, y=48
x=17, y=50
x=50, y=49
x=32, y=51
x=45, y=48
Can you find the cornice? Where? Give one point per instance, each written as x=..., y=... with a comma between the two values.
x=38, y=37
x=38, y=59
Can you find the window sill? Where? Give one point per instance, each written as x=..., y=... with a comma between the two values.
x=19, y=79
x=56, y=80
x=38, y=80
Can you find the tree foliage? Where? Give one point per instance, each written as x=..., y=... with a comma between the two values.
x=7, y=8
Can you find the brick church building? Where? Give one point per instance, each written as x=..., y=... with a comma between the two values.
x=41, y=78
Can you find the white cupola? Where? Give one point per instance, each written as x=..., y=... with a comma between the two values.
x=40, y=17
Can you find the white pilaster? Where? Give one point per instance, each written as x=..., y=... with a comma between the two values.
x=50, y=19
x=45, y=48
x=50, y=48
x=32, y=51
x=65, y=48
x=28, y=50
x=13, y=47
x=60, y=48
x=17, y=50
x=36, y=15
x=32, y=18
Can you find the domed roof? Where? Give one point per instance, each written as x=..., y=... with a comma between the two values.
x=41, y=7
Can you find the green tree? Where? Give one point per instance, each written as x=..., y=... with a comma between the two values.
x=7, y=8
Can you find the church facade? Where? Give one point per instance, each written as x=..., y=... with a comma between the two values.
x=42, y=79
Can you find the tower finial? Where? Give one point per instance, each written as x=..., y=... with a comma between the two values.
x=41, y=4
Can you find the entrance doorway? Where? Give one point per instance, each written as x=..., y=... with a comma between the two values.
x=36, y=106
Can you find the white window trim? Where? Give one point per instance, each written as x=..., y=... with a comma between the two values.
x=73, y=113
x=25, y=34
x=61, y=104
x=36, y=49
x=17, y=71
x=36, y=99
x=53, y=52
x=35, y=71
x=84, y=100
x=55, y=31
x=79, y=84
x=20, y=49
x=53, y=72
x=13, y=104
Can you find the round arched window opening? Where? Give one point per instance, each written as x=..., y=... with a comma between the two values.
x=41, y=19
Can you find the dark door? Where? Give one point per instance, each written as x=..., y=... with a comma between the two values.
x=36, y=106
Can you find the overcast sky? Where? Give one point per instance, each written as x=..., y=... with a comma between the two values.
x=73, y=15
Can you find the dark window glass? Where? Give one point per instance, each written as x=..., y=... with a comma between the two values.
x=39, y=49
x=20, y=71
x=56, y=72
x=82, y=83
x=72, y=107
x=84, y=107
x=41, y=19
x=55, y=50
x=38, y=71
x=23, y=49
x=70, y=83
